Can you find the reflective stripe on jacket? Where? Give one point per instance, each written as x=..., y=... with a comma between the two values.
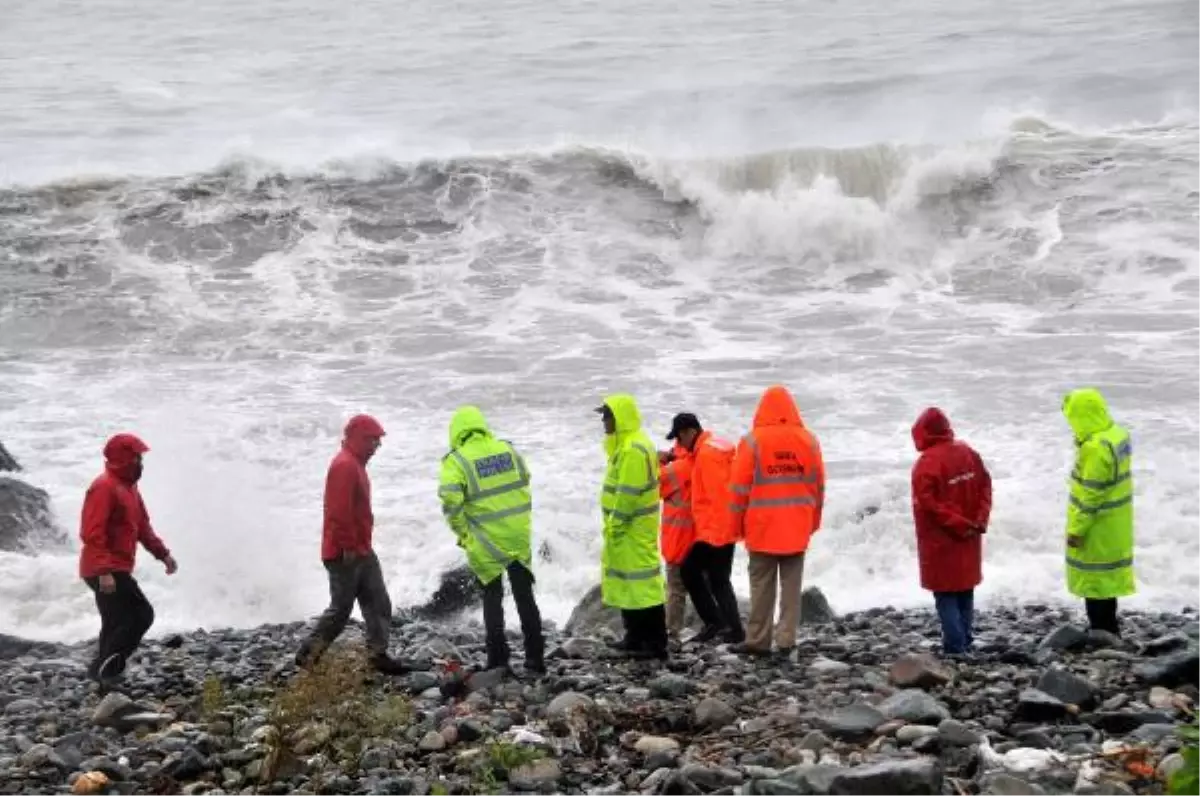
x=678, y=531
x=1100, y=506
x=486, y=497
x=778, y=479
x=631, y=575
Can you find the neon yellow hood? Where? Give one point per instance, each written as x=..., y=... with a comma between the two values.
x=1087, y=412
x=628, y=420
x=466, y=421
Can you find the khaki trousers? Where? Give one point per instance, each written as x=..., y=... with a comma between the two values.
x=676, y=599
x=765, y=570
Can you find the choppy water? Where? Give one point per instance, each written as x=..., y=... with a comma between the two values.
x=228, y=227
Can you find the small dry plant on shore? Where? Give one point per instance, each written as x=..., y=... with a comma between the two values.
x=502, y=758
x=330, y=709
x=212, y=698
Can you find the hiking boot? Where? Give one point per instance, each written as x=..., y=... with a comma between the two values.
x=734, y=636
x=746, y=649
x=385, y=664
x=706, y=635
x=110, y=670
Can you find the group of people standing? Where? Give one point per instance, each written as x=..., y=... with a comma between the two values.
x=688, y=506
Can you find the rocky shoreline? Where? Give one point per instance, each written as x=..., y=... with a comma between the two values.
x=860, y=707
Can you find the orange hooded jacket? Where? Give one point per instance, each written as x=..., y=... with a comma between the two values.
x=712, y=462
x=778, y=479
x=677, y=532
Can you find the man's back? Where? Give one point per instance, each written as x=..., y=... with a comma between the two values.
x=349, y=521
x=953, y=474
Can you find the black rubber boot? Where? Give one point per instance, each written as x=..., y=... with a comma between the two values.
x=497, y=652
x=385, y=664
x=706, y=635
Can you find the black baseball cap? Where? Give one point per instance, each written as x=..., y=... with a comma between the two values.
x=682, y=422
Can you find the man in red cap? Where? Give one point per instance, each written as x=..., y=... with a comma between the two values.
x=346, y=551
x=114, y=520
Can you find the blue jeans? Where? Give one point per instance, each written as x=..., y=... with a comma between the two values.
x=956, y=610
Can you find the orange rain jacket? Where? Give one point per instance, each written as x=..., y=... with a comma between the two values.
x=778, y=479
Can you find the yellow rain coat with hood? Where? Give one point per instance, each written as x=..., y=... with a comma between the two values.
x=631, y=576
x=1100, y=509
x=485, y=497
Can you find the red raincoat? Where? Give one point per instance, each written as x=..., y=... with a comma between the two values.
x=951, y=499
x=114, y=517
x=349, y=523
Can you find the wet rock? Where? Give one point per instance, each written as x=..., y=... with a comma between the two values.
x=1164, y=644
x=714, y=713
x=1169, y=765
x=568, y=703
x=535, y=775
x=918, y=671
x=1036, y=706
x=458, y=590
x=709, y=778
x=852, y=722
x=26, y=519
x=952, y=732
x=649, y=745
x=1000, y=783
x=816, y=740
x=1172, y=671
x=911, y=733
x=1067, y=687
x=923, y=776
x=581, y=648
x=432, y=742
x=591, y=617
x=1103, y=640
x=816, y=778
x=40, y=755
x=823, y=666
x=1120, y=723
x=815, y=608
x=8, y=462
x=671, y=686
x=1065, y=637
x=914, y=705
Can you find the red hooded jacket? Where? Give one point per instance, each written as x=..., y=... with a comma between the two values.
x=951, y=500
x=114, y=517
x=349, y=523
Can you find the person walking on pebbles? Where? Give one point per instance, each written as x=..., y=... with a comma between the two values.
x=114, y=522
x=951, y=504
x=1099, y=532
x=777, y=486
x=348, y=555
x=486, y=499
x=631, y=577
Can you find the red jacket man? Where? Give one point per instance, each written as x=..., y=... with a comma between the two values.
x=952, y=501
x=347, y=553
x=114, y=521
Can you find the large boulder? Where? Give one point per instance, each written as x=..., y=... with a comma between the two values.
x=591, y=617
x=459, y=589
x=26, y=520
x=8, y=463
